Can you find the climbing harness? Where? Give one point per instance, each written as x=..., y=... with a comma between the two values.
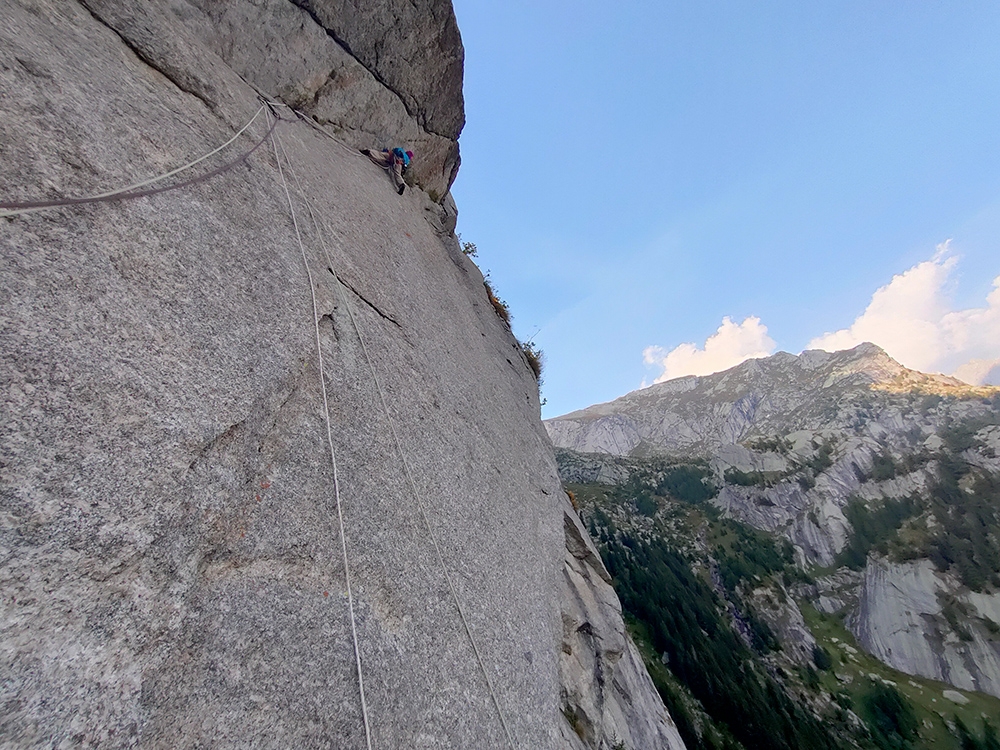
x=402, y=455
x=133, y=191
x=329, y=439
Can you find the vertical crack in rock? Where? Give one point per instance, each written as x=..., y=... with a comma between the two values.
x=183, y=82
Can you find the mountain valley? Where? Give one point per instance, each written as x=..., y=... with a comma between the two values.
x=832, y=524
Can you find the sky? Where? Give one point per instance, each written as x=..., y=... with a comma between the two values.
x=661, y=189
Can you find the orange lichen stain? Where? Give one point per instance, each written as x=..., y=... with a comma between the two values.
x=265, y=484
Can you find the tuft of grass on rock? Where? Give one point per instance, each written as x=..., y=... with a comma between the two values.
x=535, y=357
x=501, y=307
x=572, y=499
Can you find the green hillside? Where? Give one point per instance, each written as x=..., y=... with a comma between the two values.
x=692, y=583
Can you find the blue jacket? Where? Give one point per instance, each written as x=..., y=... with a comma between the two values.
x=400, y=153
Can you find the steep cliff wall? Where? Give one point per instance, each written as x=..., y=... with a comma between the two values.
x=385, y=74
x=171, y=557
x=902, y=620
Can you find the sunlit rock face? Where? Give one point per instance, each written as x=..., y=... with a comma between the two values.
x=171, y=554
x=776, y=395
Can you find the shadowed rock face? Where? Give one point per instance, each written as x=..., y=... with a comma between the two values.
x=170, y=551
x=413, y=48
x=596, y=651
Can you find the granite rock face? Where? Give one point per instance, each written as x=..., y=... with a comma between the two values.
x=901, y=619
x=170, y=549
x=413, y=48
x=783, y=616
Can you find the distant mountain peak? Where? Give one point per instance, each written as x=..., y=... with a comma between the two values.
x=865, y=359
x=780, y=393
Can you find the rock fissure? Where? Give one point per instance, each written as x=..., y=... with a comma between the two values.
x=306, y=6
x=147, y=59
x=226, y=436
x=374, y=307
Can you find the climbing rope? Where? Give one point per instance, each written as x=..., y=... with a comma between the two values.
x=134, y=191
x=275, y=142
x=402, y=455
x=330, y=267
x=314, y=125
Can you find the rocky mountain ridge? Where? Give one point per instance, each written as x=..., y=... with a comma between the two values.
x=780, y=394
x=170, y=554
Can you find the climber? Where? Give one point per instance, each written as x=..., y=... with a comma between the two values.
x=395, y=161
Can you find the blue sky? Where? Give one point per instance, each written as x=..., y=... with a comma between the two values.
x=635, y=173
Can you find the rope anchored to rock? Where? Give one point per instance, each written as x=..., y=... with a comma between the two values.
x=275, y=142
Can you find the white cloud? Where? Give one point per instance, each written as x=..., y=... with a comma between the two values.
x=727, y=347
x=979, y=371
x=911, y=318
